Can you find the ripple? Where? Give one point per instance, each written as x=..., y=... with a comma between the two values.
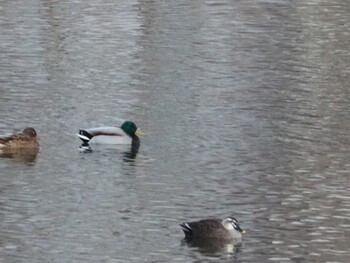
x=245, y=108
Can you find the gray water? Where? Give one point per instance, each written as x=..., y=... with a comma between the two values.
x=245, y=107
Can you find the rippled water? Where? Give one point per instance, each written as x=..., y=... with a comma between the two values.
x=245, y=106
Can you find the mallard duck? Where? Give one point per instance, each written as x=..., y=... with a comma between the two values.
x=25, y=140
x=126, y=134
x=226, y=229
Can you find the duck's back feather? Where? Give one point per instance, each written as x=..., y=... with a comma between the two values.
x=206, y=228
x=116, y=131
x=109, y=135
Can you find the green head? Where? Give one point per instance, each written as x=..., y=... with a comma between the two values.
x=130, y=128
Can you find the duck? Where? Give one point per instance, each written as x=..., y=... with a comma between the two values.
x=127, y=133
x=213, y=228
x=23, y=141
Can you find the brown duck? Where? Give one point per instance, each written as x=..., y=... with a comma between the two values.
x=25, y=140
x=226, y=229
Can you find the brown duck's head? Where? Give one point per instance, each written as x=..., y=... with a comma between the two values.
x=232, y=222
x=30, y=132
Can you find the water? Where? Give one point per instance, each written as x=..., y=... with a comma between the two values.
x=245, y=107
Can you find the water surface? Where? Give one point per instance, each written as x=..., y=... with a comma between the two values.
x=245, y=107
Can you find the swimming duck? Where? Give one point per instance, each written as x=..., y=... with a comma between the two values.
x=126, y=134
x=226, y=229
x=25, y=140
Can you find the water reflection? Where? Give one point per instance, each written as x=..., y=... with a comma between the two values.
x=128, y=155
x=214, y=247
x=85, y=148
x=26, y=155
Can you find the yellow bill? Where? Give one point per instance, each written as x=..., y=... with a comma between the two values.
x=139, y=132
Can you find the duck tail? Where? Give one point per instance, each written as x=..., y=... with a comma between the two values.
x=85, y=137
x=187, y=230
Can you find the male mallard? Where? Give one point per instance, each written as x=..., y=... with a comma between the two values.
x=226, y=229
x=25, y=140
x=126, y=134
